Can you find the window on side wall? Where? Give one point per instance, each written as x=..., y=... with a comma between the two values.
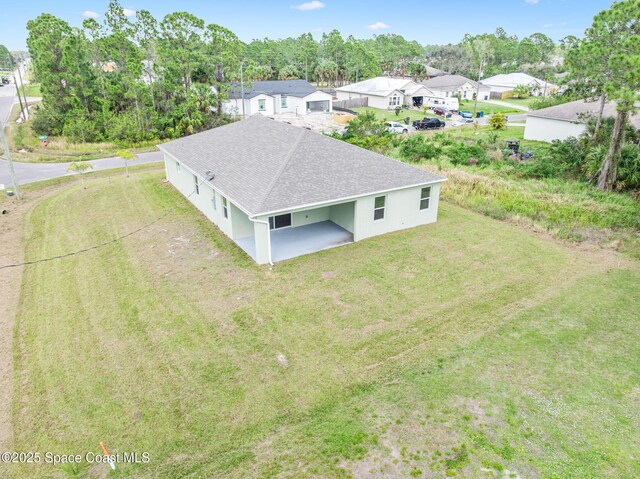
x=178, y=166
x=262, y=105
x=283, y=101
x=196, y=184
x=213, y=200
x=425, y=198
x=225, y=207
x=378, y=207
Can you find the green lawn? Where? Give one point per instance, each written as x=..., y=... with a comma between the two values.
x=33, y=89
x=445, y=349
x=488, y=108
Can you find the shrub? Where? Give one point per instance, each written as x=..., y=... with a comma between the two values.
x=460, y=154
x=418, y=147
x=47, y=121
x=498, y=121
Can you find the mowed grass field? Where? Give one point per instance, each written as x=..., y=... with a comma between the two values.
x=467, y=348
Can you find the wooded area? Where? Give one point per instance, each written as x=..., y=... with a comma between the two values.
x=138, y=78
x=134, y=79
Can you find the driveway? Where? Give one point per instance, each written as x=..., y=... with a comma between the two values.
x=32, y=172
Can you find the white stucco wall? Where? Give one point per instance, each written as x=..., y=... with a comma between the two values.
x=273, y=104
x=182, y=179
x=374, y=100
x=402, y=210
x=545, y=129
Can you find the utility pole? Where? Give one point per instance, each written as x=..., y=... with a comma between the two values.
x=242, y=88
x=22, y=108
x=475, y=103
x=7, y=154
x=26, y=105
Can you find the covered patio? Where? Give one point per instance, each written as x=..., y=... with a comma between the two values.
x=290, y=242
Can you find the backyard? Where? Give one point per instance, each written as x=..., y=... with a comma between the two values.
x=466, y=348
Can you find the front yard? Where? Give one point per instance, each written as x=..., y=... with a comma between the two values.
x=464, y=348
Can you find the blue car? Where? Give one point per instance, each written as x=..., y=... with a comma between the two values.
x=466, y=114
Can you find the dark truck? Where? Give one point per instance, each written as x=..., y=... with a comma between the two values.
x=428, y=123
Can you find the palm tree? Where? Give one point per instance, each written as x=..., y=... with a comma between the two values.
x=80, y=166
x=126, y=155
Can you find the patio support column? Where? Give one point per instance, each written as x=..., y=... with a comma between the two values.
x=263, y=240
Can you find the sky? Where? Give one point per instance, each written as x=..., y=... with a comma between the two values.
x=427, y=21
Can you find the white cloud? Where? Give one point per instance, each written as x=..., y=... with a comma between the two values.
x=377, y=26
x=90, y=14
x=531, y=2
x=313, y=5
x=319, y=29
x=128, y=12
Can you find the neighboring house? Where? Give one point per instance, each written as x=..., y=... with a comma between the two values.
x=387, y=93
x=280, y=191
x=277, y=96
x=434, y=72
x=449, y=85
x=502, y=85
x=567, y=120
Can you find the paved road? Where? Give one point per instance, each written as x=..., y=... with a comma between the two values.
x=31, y=172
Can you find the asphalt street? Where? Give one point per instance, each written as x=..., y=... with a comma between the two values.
x=31, y=172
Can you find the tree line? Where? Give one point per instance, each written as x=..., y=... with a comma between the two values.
x=132, y=79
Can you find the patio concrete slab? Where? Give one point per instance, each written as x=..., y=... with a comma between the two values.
x=288, y=243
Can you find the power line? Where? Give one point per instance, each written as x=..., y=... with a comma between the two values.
x=94, y=247
x=84, y=250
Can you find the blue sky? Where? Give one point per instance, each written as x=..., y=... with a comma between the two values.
x=427, y=21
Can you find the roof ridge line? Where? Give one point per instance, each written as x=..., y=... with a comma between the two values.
x=286, y=161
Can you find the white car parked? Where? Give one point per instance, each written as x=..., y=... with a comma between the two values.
x=395, y=127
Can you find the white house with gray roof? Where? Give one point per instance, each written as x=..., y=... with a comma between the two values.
x=277, y=96
x=449, y=85
x=280, y=191
x=560, y=122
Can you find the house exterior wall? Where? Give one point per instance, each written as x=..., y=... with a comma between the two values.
x=318, y=96
x=273, y=104
x=307, y=217
x=546, y=129
x=343, y=215
x=402, y=210
x=182, y=179
x=375, y=101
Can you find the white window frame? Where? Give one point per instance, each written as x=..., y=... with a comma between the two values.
x=213, y=200
x=225, y=207
x=178, y=166
x=378, y=208
x=262, y=104
x=394, y=100
x=283, y=101
x=196, y=184
x=426, y=198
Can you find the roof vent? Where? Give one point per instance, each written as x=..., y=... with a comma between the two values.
x=210, y=175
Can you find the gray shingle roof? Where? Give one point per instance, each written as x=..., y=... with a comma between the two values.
x=447, y=81
x=297, y=88
x=264, y=166
x=578, y=112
